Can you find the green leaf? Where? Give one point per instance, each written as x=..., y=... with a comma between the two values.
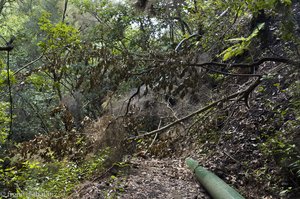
x=240, y=48
x=238, y=39
x=286, y=2
x=256, y=31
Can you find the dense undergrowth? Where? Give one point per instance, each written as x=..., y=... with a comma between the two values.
x=57, y=179
x=44, y=172
x=259, y=145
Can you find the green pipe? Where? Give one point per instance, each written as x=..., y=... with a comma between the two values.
x=216, y=187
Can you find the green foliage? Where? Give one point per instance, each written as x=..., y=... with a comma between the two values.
x=12, y=176
x=242, y=46
x=295, y=166
x=4, y=106
x=60, y=178
x=295, y=105
x=58, y=37
x=261, y=4
x=39, y=81
x=10, y=23
x=35, y=180
x=4, y=121
x=294, y=89
x=280, y=147
x=216, y=77
x=256, y=5
x=3, y=76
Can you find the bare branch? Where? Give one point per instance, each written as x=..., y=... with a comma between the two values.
x=232, y=74
x=6, y=48
x=184, y=40
x=229, y=65
x=28, y=64
x=245, y=65
x=184, y=24
x=65, y=11
x=135, y=94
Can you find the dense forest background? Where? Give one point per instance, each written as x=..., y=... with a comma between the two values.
x=85, y=83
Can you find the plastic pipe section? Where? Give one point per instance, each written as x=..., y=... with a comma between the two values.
x=216, y=187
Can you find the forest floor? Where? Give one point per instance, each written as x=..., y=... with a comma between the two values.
x=149, y=178
x=166, y=178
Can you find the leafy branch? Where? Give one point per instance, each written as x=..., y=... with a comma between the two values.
x=242, y=46
x=220, y=64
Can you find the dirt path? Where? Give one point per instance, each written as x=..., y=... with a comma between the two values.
x=145, y=179
x=167, y=178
